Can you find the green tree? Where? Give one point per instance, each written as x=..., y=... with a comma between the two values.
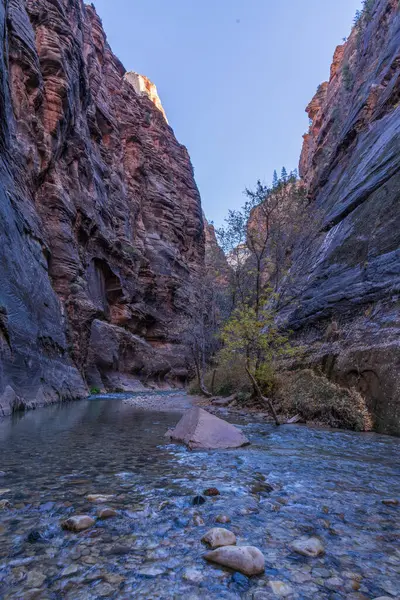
x=248, y=336
x=284, y=175
x=275, y=180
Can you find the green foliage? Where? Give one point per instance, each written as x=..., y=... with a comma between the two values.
x=348, y=79
x=94, y=391
x=254, y=340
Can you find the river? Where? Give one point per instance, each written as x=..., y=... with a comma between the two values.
x=325, y=483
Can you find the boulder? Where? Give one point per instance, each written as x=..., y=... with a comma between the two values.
x=218, y=536
x=78, y=523
x=311, y=547
x=200, y=429
x=245, y=559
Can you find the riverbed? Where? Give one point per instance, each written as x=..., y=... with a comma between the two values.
x=330, y=484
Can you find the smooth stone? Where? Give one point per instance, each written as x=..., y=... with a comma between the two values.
x=34, y=536
x=118, y=550
x=78, y=523
x=198, y=500
x=223, y=519
x=245, y=559
x=4, y=491
x=100, y=498
x=70, y=570
x=5, y=504
x=193, y=575
x=240, y=580
x=333, y=583
x=35, y=579
x=211, y=492
x=311, y=547
x=150, y=571
x=261, y=488
x=391, y=502
x=280, y=589
x=198, y=521
x=106, y=513
x=217, y=537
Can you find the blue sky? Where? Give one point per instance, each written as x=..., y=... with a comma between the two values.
x=234, y=77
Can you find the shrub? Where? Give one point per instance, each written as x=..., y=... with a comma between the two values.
x=94, y=391
x=316, y=398
x=348, y=79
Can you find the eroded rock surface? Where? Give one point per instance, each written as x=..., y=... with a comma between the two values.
x=345, y=302
x=100, y=219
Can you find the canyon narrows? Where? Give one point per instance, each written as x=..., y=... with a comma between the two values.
x=103, y=237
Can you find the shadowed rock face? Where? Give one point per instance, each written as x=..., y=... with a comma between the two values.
x=347, y=287
x=101, y=224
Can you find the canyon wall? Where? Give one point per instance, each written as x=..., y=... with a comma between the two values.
x=345, y=296
x=101, y=226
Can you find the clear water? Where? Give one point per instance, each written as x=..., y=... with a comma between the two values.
x=329, y=484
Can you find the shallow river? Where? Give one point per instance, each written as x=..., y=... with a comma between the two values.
x=329, y=484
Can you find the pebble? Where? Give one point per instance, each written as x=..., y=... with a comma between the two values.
x=211, y=492
x=245, y=559
x=311, y=547
x=150, y=571
x=106, y=513
x=100, y=498
x=70, y=570
x=78, y=523
x=34, y=536
x=193, y=575
x=333, y=583
x=391, y=502
x=223, y=519
x=281, y=589
x=198, y=500
x=198, y=521
x=217, y=537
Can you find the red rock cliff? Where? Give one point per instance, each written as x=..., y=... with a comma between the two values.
x=103, y=210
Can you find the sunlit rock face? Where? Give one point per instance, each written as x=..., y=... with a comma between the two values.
x=142, y=85
x=347, y=285
x=101, y=228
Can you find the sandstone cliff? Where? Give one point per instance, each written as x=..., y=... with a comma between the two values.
x=346, y=307
x=101, y=226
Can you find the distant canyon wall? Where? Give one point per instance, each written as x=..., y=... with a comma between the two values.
x=101, y=225
x=346, y=287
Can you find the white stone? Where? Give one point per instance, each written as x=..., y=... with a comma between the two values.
x=311, y=547
x=218, y=536
x=245, y=559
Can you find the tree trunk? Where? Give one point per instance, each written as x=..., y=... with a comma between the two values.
x=267, y=400
x=213, y=382
x=200, y=379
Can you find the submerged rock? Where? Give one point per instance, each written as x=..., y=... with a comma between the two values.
x=217, y=536
x=107, y=513
x=5, y=504
x=198, y=500
x=281, y=589
x=245, y=559
x=100, y=498
x=211, y=492
x=311, y=547
x=223, y=519
x=78, y=523
x=198, y=521
x=200, y=429
x=391, y=502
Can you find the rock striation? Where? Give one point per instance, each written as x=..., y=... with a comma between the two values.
x=101, y=226
x=345, y=304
